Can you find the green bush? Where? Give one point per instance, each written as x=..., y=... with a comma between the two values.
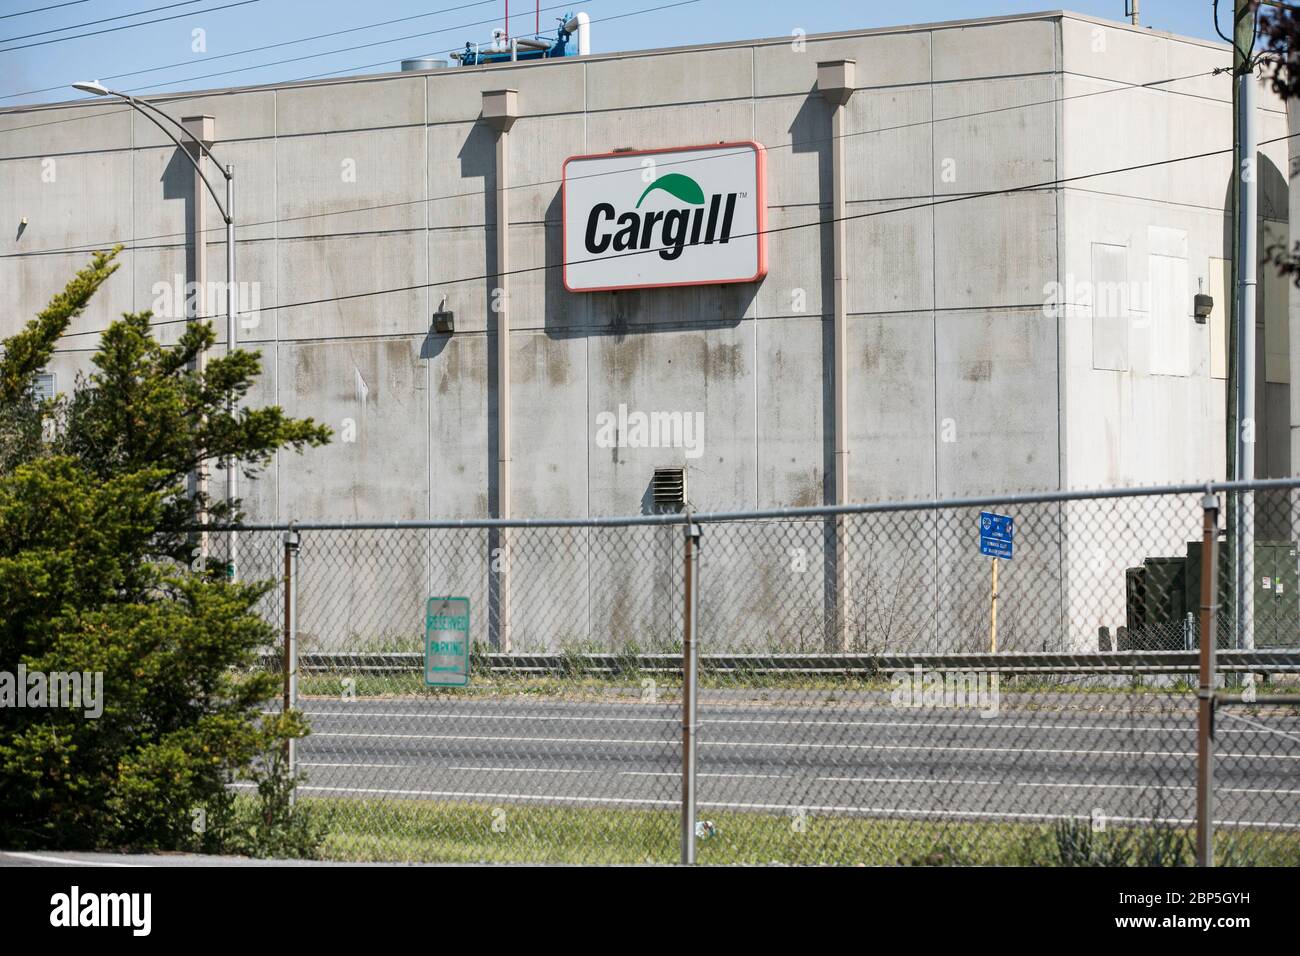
x=96, y=579
x=1076, y=843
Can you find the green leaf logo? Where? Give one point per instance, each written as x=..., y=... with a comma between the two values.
x=683, y=187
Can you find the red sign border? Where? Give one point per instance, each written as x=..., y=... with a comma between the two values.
x=760, y=177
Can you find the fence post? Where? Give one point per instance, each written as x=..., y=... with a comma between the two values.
x=1205, y=693
x=690, y=680
x=291, y=642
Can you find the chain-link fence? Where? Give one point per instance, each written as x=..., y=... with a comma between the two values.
x=1009, y=680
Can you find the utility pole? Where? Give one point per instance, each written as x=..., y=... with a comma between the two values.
x=1246, y=282
x=1131, y=10
x=1205, y=692
x=1240, y=399
x=232, y=343
x=203, y=131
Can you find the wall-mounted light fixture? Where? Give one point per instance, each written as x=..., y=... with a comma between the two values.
x=444, y=320
x=1202, y=305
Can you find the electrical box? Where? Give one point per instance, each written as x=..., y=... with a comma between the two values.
x=1156, y=606
x=1276, y=616
x=1284, y=604
x=1163, y=591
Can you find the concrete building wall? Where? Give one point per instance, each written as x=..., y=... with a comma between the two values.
x=961, y=381
x=1144, y=397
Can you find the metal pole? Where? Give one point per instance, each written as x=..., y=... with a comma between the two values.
x=203, y=129
x=993, y=623
x=199, y=312
x=690, y=689
x=1243, y=36
x=1205, y=692
x=232, y=343
x=291, y=542
x=1243, y=501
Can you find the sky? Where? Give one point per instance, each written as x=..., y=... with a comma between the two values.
x=202, y=46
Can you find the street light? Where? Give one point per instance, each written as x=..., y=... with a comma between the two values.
x=227, y=210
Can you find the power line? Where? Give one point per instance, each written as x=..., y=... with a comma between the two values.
x=966, y=197
x=68, y=119
x=89, y=247
x=93, y=23
x=136, y=89
x=55, y=6
x=75, y=119
x=1232, y=41
x=129, y=26
x=259, y=49
x=617, y=16
x=362, y=46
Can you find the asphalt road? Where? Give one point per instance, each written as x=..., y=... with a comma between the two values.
x=1131, y=762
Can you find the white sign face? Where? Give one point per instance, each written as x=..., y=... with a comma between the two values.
x=693, y=215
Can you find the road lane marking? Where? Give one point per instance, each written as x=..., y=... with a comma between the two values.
x=411, y=766
x=62, y=861
x=621, y=773
x=776, y=776
x=678, y=774
x=787, y=745
x=1044, y=783
x=724, y=805
x=1263, y=729
x=477, y=795
x=987, y=724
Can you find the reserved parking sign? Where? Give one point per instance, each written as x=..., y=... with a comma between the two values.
x=446, y=642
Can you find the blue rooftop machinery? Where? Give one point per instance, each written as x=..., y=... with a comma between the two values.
x=572, y=38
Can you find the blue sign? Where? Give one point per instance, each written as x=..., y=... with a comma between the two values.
x=996, y=534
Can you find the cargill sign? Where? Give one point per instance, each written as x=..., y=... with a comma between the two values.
x=692, y=215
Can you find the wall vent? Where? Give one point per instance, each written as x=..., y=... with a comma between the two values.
x=46, y=387
x=669, y=487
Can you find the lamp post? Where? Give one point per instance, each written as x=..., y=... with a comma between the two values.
x=227, y=210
